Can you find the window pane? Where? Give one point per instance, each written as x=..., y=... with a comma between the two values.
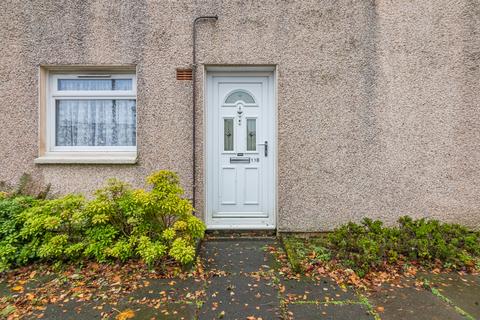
x=239, y=96
x=251, y=134
x=94, y=84
x=228, y=134
x=95, y=122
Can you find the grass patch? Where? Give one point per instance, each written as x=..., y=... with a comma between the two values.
x=439, y=295
x=364, y=301
x=302, y=250
x=330, y=302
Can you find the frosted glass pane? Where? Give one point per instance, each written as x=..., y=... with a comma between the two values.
x=239, y=96
x=94, y=84
x=228, y=134
x=95, y=122
x=251, y=134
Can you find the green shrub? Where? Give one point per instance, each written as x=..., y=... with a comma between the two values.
x=50, y=227
x=150, y=251
x=429, y=240
x=182, y=251
x=146, y=223
x=369, y=245
x=11, y=222
x=119, y=223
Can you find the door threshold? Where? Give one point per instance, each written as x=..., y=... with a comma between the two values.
x=242, y=234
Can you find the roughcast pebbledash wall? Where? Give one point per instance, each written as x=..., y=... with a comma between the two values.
x=378, y=102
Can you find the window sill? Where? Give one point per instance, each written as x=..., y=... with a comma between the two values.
x=88, y=158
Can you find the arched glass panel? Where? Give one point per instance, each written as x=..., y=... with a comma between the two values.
x=239, y=96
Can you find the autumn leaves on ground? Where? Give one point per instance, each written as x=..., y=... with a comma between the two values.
x=367, y=254
x=29, y=290
x=235, y=279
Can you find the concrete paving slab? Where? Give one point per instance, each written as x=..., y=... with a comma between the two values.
x=238, y=297
x=28, y=286
x=304, y=311
x=172, y=290
x=89, y=311
x=157, y=299
x=70, y=310
x=171, y=311
x=462, y=290
x=411, y=303
x=310, y=290
x=237, y=256
x=167, y=311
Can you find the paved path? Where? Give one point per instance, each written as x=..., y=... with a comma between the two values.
x=246, y=284
x=250, y=286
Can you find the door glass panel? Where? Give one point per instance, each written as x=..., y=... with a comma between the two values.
x=251, y=134
x=239, y=95
x=228, y=134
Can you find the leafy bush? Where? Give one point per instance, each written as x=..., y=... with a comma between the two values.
x=430, y=241
x=369, y=245
x=119, y=223
x=11, y=222
x=51, y=226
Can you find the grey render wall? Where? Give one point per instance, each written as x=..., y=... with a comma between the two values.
x=378, y=101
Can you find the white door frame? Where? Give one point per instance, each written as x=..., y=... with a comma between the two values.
x=238, y=71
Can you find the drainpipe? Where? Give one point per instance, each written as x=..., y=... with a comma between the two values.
x=194, y=105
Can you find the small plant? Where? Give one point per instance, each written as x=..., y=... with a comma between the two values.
x=305, y=251
x=24, y=187
x=371, y=246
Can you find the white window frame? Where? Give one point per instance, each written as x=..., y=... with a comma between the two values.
x=54, y=94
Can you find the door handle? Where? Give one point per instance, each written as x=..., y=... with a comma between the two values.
x=265, y=147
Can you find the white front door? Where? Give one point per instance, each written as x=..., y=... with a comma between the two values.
x=240, y=151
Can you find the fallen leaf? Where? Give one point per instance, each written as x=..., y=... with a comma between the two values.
x=126, y=314
x=17, y=288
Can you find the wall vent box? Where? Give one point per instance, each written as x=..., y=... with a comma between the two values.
x=184, y=74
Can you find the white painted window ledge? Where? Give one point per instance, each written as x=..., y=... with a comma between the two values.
x=88, y=158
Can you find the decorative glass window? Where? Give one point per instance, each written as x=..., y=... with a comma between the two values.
x=92, y=113
x=251, y=134
x=239, y=95
x=228, y=134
